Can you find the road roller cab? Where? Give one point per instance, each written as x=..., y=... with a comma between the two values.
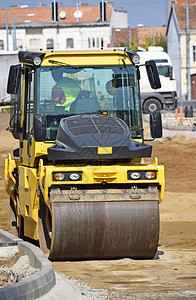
x=77, y=181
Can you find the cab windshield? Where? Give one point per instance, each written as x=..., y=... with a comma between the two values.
x=64, y=91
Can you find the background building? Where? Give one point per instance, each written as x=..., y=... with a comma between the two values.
x=36, y=28
x=176, y=32
x=76, y=27
x=139, y=34
x=170, y=2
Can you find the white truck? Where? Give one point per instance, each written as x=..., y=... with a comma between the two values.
x=6, y=60
x=166, y=96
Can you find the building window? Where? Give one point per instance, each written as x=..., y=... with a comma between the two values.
x=101, y=42
x=89, y=42
x=93, y=42
x=1, y=45
x=35, y=44
x=19, y=44
x=50, y=44
x=97, y=42
x=70, y=43
x=194, y=53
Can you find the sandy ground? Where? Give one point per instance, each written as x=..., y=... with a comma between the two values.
x=172, y=274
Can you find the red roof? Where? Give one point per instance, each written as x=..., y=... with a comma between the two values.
x=180, y=10
x=184, y=1
x=90, y=14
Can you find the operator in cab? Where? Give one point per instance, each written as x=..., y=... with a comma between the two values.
x=65, y=91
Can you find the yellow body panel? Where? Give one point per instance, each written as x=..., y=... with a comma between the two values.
x=36, y=149
x=29, y=201
x=10, y=181
x=84, y=58
x=104, y=150
x=98, y=174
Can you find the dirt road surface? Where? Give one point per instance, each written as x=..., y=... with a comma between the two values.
x=172, y=274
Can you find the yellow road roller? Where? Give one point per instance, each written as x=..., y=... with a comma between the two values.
x=77, y=182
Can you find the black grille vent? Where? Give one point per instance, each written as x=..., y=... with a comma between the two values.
x=95, y=124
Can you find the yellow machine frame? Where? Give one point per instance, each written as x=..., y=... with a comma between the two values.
x=34, y=178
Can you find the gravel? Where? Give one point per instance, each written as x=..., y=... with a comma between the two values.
x=14, y=266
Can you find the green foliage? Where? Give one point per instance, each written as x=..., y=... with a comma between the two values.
x=133, y=47
x=148, y=42
x=134, y=44
x=159, y=41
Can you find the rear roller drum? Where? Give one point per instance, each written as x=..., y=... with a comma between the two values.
x=45, y=227
x=101, y=230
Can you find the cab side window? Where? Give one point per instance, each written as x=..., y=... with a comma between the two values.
x=29, y=99
x=15, y=113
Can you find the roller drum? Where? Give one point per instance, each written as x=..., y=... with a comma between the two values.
x=104, y=230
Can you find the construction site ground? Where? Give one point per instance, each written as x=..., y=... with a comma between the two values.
x=172, y=273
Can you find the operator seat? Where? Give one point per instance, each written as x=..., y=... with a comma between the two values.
x=84, y=104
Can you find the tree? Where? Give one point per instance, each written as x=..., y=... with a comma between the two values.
x=159, y=41
x=134, y=45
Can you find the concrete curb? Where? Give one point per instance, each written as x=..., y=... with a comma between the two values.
x=181, y=127
x=37, y=284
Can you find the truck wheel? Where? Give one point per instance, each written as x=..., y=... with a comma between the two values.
x=151, y=105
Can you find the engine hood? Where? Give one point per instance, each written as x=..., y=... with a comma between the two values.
x=95, y=137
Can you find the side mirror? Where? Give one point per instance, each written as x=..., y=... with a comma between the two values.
x=14, y=79
x=40, y=128
x=153, y=75
x=155, y=125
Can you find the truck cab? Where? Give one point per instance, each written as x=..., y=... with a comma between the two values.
x=166, y=96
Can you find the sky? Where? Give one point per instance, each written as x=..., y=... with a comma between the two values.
x=146, y=12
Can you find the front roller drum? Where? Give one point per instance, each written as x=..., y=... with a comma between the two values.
x=103, y=230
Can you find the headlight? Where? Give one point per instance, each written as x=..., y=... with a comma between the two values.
x=133, y=56
x=74, y=176
x=141, y=175
x=135, y=59
x=150, y=175
x=59, y=176
x=135, y=175
x=67, y=176
x=37, y=61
